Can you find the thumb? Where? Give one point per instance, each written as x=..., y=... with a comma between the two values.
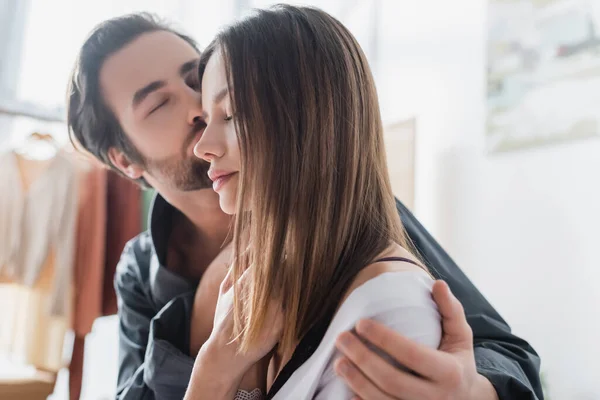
x=455, y=327
x=227, y=282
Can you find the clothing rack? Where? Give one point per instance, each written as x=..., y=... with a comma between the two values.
x=21, y=109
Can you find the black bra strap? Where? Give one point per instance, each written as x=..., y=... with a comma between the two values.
x=401, y=259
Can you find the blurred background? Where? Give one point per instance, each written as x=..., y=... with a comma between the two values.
x=492, y=111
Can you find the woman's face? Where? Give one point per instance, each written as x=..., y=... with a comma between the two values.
x=219, y=144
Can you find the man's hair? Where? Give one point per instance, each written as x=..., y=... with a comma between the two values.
x=92, y=124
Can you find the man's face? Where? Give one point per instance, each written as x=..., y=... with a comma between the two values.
x=151, y=87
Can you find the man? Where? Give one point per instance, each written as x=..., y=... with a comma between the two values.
x=134, y=104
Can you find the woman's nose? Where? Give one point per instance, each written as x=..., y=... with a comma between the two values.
x=208, y=146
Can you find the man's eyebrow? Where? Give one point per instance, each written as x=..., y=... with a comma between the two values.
x=142, y=93
x=188, y=66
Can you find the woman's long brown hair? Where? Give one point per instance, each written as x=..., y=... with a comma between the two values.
x=315, y=204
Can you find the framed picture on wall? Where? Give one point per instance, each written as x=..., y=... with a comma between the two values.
x=543, y=72
x=400, y=150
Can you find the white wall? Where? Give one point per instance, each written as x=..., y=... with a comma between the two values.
x=524, y=226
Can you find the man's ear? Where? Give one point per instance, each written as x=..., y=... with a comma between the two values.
x=123, y=164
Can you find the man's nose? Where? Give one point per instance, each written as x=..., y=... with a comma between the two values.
x=194, y=104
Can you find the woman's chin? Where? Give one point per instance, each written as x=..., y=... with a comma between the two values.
x=227, y=205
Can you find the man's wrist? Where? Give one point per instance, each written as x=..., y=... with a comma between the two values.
x=483, y=389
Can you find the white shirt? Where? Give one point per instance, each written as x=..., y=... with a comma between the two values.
x=400, y=300
x=34, y=221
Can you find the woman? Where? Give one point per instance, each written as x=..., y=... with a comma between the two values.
x=294, y=139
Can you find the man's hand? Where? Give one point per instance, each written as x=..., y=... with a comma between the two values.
x=447, y=373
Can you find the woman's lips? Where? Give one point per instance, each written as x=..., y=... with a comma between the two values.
x=221, y=181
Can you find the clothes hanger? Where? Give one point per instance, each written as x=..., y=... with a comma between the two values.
x=38, y=146
x=46, y=137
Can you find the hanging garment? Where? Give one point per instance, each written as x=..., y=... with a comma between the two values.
x=89, y=264
x=90, y=247
x=38, y=208
x=38, y=203
x=123, y=210
x=10, y=220
x=109, y=217
x=29, y=335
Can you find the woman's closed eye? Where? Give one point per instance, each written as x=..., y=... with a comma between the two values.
x=160, y=105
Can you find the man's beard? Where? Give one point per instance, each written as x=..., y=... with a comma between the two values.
x=180, y=171
x=186, y=174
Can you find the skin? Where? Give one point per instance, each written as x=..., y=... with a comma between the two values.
x=445, y=373
x=219, y=143
x=163, y=123
x=166, y=138
x=164, y=127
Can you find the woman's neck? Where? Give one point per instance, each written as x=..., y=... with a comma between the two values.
x=277, y=363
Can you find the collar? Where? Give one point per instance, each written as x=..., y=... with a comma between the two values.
x=160, y=224
x=164, y=284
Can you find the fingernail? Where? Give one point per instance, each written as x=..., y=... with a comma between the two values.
x=343, y=367
x=343, y=341
x=448, y=288
x=443, y=284
x=364, y=326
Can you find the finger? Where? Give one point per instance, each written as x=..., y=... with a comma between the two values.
x=425, y=361
x=454, y=322
x=228, y=281
x=357, y=382
x=385, y=377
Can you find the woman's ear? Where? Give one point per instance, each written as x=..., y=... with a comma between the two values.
x=123, y=164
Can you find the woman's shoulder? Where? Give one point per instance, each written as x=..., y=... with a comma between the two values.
x=392, y=290
x=398, y=294
x=397, y=273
